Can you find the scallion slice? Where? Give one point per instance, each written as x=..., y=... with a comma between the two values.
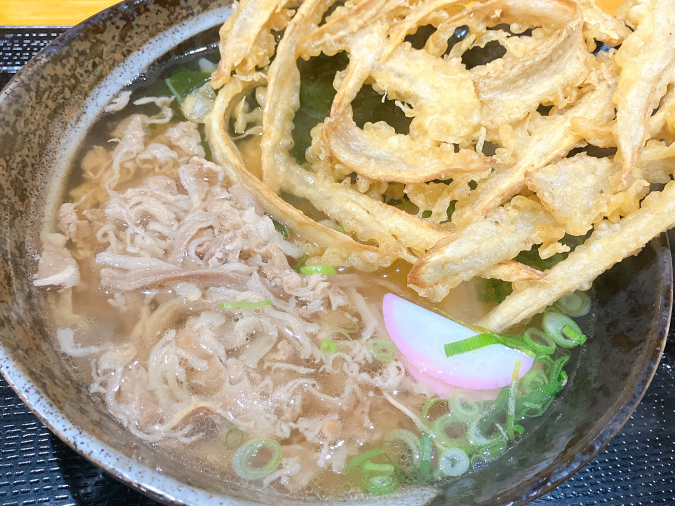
x=539, y=341
x=245, y=304
x=463, y=409
x=328, y=347
x=340, y=229
x=454, y=462
x=241, y=458
x=360, y=459
x=482, y=340
x=379, y=484
x=301, y=262
x=574, y=305
x=562, y=329
x=328, y=270
x=410, y=439
x=425, y=455
x=378, y=468
x=511, y=404
x=233, y=439
x=439, y=429
x=381, y=350
x=427, y=406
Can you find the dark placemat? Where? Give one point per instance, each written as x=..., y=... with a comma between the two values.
x=637, y=467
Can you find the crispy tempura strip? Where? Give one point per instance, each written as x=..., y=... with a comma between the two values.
x=378, y=155
x=339, y=249
x=334, y=35
x=395, y=157
x=549, y=73
x=552, y=139
x=598, y=25
x=239, y=34
x=370, y=220
x=500, y=236
x=439, y=94
x=412, y=22
x=283, y=94
x=647, y=61
x=512, y=271
x=607, y=246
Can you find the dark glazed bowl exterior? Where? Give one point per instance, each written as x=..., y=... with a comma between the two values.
x=39, y=111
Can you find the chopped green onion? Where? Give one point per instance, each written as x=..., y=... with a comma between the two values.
x=245, y=304
x=476, y=436
x=439, y=430
x=539, y=341
x=380, y=484
x=482, y=340
x=493, y=290
x=511, y=405
x=328, y=270
x=360, y=459
x=301, y=262
x=381, y=350
x=281, y=228
x=250, y=449
x=341, y=229
x=427, y=407
x=425, y=455
x=469, y=344
x=562, y=329
x=494, y=450
x=410, y=439
x=557, y=368
x=233, y=438
x=533, y=379
x=183, y=81
x=574, y=305
x=378, y=468
x=454, y=462
x=328, y=347
x=427, y=214
x=463, y=409
x=536, y=402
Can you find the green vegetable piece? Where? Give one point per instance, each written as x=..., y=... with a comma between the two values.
x=250, y=449
x=379, y=484
x=233, y=439
x=378, y=468
x=340, y=229
x=245, y=304
x=281, y=228
x=482, y=340
x=301, y=262
x=328, y=347
x=539, y=341
x=575, y=304
x=381, y=350
x=360, y=459
x=183, y=81
x=493, y=290
x=328, y=270
x=425, y=460
x=562, y=329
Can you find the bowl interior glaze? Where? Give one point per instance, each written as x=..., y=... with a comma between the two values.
x=44, y=113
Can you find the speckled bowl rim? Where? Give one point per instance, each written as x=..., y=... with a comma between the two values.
x=162, y=488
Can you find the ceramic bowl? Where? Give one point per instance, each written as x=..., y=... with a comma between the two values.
x=44, y=113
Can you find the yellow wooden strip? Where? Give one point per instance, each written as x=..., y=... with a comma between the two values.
x=71, y=12
x=49, y=12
